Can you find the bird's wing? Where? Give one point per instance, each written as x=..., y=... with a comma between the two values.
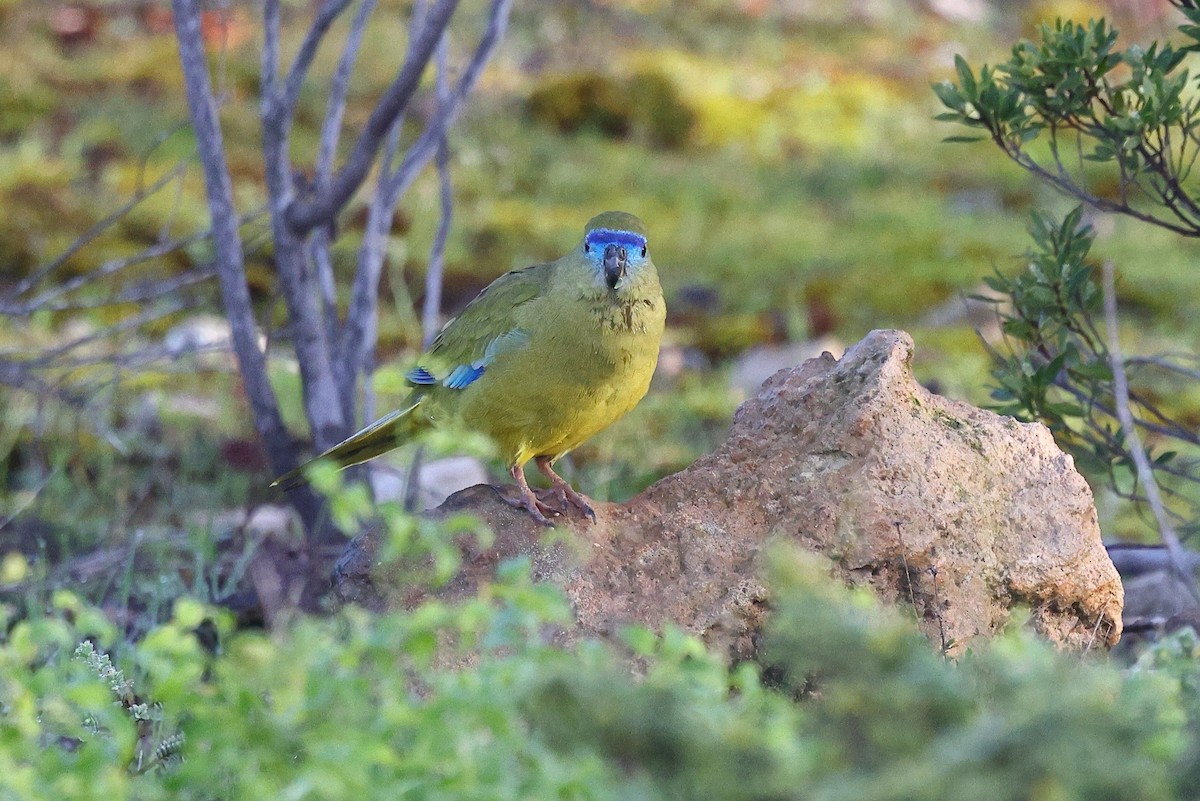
x=381, y=436
x=487, y=327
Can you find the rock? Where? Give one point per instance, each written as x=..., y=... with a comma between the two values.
x=675, y=360
x=274, y=520
x=1157, y=601
x=198, y=333
x=437, y=480
x=935, y=504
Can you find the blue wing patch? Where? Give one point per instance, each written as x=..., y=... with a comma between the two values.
x=421, y=376
x=464, y=375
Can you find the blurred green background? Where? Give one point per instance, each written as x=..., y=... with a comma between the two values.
x=783, y=154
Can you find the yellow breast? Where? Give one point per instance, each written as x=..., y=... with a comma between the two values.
x=590, y=358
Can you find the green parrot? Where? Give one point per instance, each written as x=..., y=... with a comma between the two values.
x=541, y=360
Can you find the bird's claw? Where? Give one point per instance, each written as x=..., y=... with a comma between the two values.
x=538, y=516
x=531, y=504
x=587, y=510
x=565, y=491
x=567, y=497
x=562, y=493
x=579, y=502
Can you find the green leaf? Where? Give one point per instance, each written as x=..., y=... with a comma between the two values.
x=1165, y=457
x=966, y=79
x=950, y=96
x=1065, y=409
x=641, y=640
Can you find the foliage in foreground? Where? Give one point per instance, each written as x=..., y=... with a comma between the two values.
x=470, y=701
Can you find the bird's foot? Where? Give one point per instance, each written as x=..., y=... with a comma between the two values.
x=578, y=500
x=526, y=500
x=565, y=490
x=559, y=500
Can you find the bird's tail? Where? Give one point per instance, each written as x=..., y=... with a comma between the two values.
x=378, y=438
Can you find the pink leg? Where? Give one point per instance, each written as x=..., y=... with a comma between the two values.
x=577, y=500
x=527, y=500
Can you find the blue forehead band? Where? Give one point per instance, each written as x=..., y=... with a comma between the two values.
x=606, y=236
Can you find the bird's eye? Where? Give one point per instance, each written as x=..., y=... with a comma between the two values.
x=643, y=251
x=587, y=248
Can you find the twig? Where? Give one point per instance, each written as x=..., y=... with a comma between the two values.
x=227, y=242
x=426, y=145
x=93, y=233
x=108, y=268
x=1175, y=432
x=1133, y=441
x=912, y=598
x=305, y=214
x=138, y=293
x=412, y=481
x=47, y=358
x=1092, y=637
x=23, y=503
x=339, y=89
x=937, y=612
x=330, y=11
x=437, y=254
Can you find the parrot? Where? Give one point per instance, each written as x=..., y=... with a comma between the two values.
x=540, y=361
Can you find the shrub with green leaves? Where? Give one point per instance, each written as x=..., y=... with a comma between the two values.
x=472, y=700
x=1072, y=100
x=1115, y=129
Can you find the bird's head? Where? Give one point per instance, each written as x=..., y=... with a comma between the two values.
x=614, y=243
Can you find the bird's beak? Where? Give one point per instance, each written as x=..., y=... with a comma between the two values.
x=616, y=262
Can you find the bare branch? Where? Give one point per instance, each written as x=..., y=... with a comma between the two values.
x=143, y=292
x=1072, y=189
x=360, y=331
x=109, y=268
x=339, y=89
x=304, y=215
x=1165, y=362
x=1144, y=471
x=296, y=276
x=322, y=237
x=270, y=55
x=20, y=376
x=133, y=323
x=437, y=254
x=329, y=12
x=426, y=146
x=1173, y=431
x=319, y=245
x=358, y=340
x=227, y=243
x=357, y=345
x=93, y=233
